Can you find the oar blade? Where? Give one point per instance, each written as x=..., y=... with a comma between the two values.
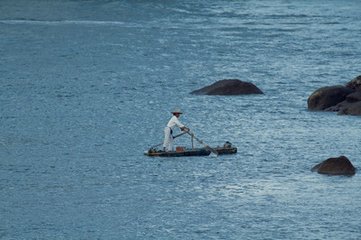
x=214, y=153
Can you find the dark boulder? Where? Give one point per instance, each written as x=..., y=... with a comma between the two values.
x=327, y=97
x=345, y=100
x=335, y=166
x=349, y=108
x=229, y=87
x=355, y=84
x=354, y=97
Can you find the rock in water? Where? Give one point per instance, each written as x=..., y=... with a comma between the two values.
x=345, y=100
x=355, y=83
x=326, y=97
x=335, y=166
x=229, y=87
x=347, y=108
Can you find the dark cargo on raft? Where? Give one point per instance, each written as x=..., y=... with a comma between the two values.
x=227, y=148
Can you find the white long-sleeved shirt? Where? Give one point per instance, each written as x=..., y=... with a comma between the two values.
x=174, y=122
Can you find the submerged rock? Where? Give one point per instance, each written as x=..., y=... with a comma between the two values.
x=229, y=87
x=335, y=166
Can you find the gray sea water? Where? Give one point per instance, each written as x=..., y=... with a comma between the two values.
x=87, y=86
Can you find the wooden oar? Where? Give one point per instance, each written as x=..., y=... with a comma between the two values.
x=178, y=135
x=201, y=142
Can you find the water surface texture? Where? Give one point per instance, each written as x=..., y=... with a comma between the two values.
x=87, y=86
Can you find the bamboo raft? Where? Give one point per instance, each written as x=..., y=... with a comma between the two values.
x=227, y=148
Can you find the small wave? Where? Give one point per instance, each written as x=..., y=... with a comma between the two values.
x=62, y=22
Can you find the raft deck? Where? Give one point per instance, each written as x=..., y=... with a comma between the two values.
x=227, y=149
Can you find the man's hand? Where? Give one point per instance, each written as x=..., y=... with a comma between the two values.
x=184, y=129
